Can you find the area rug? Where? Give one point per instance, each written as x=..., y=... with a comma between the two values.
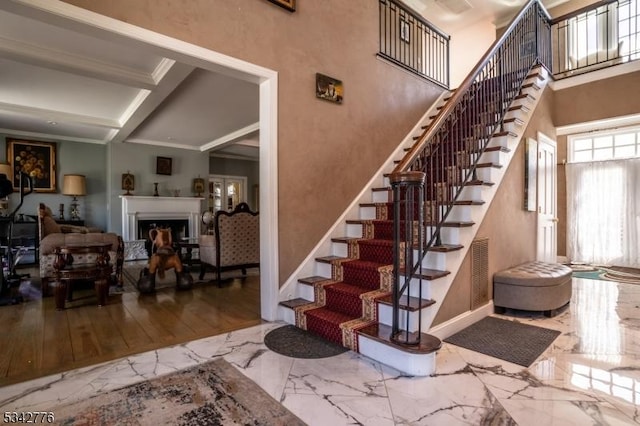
x=511, y=341
x=608, y=273
x=131, y=273
x=214, y=393
x=295, y=342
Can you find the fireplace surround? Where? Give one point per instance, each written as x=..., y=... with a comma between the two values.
x=161, y=209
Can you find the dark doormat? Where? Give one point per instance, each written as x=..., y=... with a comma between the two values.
x=511, y=341
x=295, y=342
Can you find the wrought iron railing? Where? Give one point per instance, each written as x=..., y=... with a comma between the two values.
x=603, y=34
x=408, y=40
x=429, y=179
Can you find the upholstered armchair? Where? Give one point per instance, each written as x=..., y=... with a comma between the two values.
x=52, y=235
x=234, y=244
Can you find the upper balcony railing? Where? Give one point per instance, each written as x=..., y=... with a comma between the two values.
x=411, y=42
x=603, y=34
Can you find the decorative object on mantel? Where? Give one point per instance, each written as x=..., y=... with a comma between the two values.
x=155, y=189
x=329, y=88
x=128, y=182
x=198, y=186
x=290, y=5
x=74, y=185
x=163, y=166
x=61, y=212
x=176, y=192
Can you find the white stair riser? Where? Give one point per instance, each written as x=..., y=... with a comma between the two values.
x=323, y=269
x=487, y=174
x=495, y=157
x=367, y=213
x=512, y=127
x=407, y=362
x=380, y=197
x=471, y=192
x=518, y=113
x=340, y=249
x=502, y=141
x=385, y=316
x=288, y=315
x=460, y=214
x=305, y=291
x=433, y=260
x=530, y=91
x=354, y=230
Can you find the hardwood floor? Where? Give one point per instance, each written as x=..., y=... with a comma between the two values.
x=36, y=340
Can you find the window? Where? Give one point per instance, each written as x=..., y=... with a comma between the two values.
x=629, y=28
x=611, y=145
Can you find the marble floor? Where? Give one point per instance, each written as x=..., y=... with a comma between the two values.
x=590, y=375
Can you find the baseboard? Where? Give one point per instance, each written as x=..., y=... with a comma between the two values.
x=448, y=328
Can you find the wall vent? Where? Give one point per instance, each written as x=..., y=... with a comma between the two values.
x=479, y=272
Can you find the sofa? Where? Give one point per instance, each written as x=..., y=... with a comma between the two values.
x=52, y=235
x=234, y=243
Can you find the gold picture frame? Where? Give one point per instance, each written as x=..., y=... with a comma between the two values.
x=35, y=158
x=290, y=5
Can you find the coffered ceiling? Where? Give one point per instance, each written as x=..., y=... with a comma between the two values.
x=60, y=84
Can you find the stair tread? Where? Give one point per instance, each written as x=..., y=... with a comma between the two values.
x=479, y=182
x=454, y=224
x=294, y=303
x=505, y=133
x=382, y=333
x=445, y=248
x=313, y=279
x=345, y=239
x=432, y=274
x=468, y=203
x=412, y=305
x=330, y=259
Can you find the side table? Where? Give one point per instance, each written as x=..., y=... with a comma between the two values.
x=66, y=271
x=185, y=251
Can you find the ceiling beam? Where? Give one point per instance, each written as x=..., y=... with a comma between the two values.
x=61, y=116
x=147, y=101
x=230, y=137
x=79, y=65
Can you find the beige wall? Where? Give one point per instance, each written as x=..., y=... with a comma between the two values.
x=510, y=228
x=327, y=152
x=468, y=45
x=608, y=98
x=611, y=97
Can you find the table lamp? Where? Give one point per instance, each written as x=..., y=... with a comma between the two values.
x=74, y=185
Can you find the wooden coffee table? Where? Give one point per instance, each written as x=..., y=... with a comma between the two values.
x=67, y=272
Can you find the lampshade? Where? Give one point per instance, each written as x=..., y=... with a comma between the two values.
x=74, y=185
x=5, y=169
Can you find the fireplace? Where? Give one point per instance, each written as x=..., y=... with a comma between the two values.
x=143, y=210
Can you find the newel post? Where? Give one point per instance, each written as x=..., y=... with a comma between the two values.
x=408, y=223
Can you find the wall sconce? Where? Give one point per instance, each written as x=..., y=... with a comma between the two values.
x=74, y=185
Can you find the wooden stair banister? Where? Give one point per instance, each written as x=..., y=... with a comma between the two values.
x=433, y=169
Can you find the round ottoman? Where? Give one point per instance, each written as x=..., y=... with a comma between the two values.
x=532, y=286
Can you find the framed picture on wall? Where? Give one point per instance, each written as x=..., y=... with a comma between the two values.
x=36, y=159
x=163, y=166
x=290, y=5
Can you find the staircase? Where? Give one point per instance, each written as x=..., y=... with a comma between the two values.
x=344, y=290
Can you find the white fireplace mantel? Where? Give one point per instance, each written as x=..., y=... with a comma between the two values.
x=135, y=208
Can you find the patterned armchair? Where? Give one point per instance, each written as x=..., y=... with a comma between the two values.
x=52, y=235
x=234, y=244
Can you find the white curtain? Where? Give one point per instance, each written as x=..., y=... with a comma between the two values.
x=603, y=212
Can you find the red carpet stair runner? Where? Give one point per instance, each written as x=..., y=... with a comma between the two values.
x=346, y=303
